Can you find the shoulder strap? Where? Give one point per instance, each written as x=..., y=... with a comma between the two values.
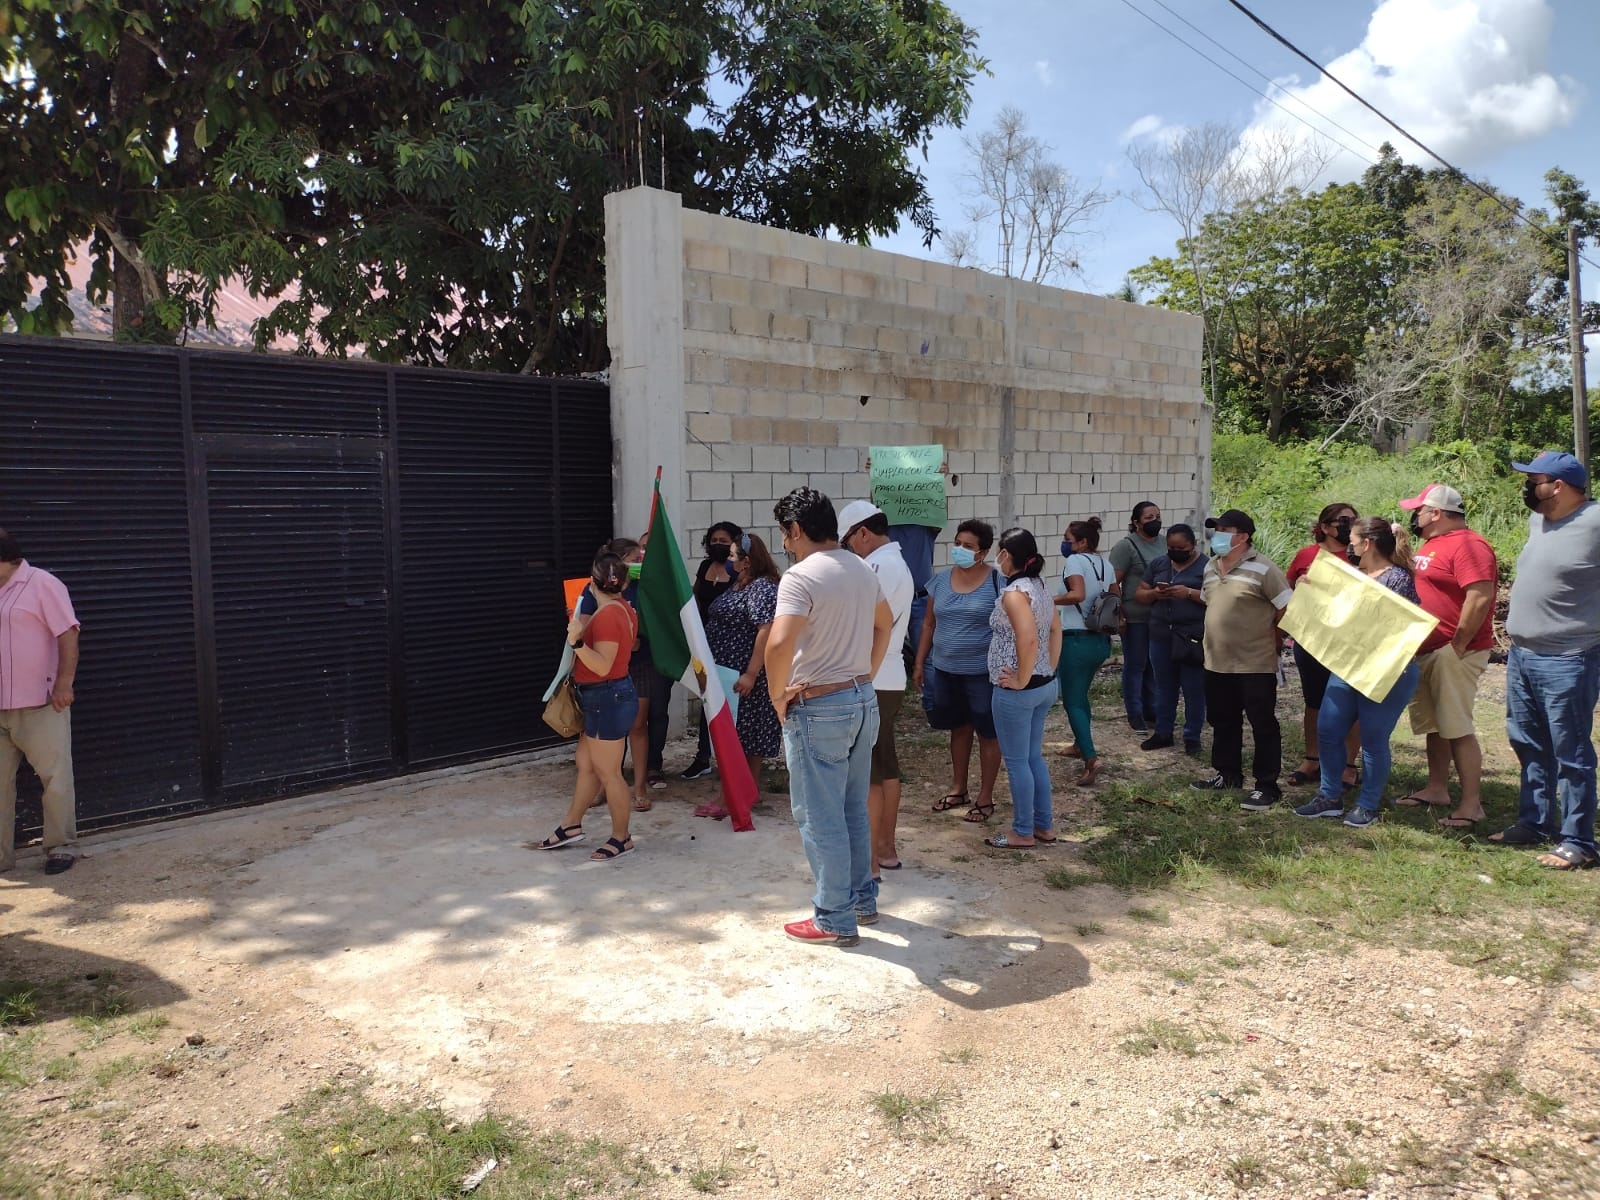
x=994, y=581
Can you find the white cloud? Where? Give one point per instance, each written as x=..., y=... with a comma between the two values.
x=1041, y=68
x=1149, y=126
x=1467, y=77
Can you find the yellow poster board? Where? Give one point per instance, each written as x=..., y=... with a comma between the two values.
x=1353, y=625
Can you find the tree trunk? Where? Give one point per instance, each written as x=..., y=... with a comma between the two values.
x=130, y=293
x=1276, y=396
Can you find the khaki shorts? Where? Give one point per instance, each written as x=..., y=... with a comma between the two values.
x=1446, y=692
x=885, y=758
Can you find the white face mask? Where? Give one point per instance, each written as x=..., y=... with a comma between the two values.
x=1221, y=543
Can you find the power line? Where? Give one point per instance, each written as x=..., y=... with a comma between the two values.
x=1254, y=70
x=1243, y=82
x=1454, y=170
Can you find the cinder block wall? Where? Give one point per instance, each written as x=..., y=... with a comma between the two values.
x=747, y=361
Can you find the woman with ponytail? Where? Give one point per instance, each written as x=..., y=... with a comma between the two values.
x=1022, y=666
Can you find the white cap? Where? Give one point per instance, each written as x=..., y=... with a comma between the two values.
x=856, y=512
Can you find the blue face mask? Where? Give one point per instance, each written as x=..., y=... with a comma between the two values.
x=962, y=557
x=1221, y=543
x=1066, y=548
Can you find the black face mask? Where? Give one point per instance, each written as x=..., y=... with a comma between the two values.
x=1341, y=532
x=1415, y=526
x=1179, y=557
x=718, y=553
x=1530, y=494
x=1150, y=528
x=1353, y=555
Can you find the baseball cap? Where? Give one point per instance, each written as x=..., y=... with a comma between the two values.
x=1557, y=465
x=856, y=512
x=1232, y=519
x=1436, y=495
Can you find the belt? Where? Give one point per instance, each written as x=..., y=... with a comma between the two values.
x=828, y=689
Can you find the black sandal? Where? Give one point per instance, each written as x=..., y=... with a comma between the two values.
x=612, y=849
x=1299, y=778
x=1346, y=785
x=951, y=800
x=564, y=835
x=978, y=814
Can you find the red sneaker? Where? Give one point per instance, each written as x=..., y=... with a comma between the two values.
x=807, y=931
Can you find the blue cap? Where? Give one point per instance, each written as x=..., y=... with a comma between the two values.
x=1558, y=465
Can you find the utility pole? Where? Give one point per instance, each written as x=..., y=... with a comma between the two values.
x=1580, y=389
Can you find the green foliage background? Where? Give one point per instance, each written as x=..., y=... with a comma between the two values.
x=1284, y=486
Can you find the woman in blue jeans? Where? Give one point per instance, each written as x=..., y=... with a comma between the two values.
x=1379, y=552
x=1177, y=624
x=1022, y=666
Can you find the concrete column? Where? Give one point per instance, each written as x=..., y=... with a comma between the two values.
x=644, y=328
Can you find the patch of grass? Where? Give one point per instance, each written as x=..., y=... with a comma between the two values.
x=709, y=1178
x=118, y=1068
x=1541, y=1105
x=16, y=1058
x=146, y=1027
x=62, y=1068
x=1246, y=1171
x=962, y=1055
x=1146, y=915
x=341, y=1144
x=19, y=1004
x=1352, y=1174
x=1413, y=1151
x=1157, y=1034
x=1088, y=928
x=1065, y=879
x=96, y=1030
x=902, y=1111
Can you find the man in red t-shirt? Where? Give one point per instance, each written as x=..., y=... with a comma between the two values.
x=1456, y=574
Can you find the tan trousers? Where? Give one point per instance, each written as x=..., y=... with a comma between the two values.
x=44, y=737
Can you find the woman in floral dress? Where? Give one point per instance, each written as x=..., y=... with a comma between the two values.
x=737, y=625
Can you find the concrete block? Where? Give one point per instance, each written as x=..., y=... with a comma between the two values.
x=790, y=272
x=756, y=432
x=772, y=459
x=841, y=408
x=808, y=458
x=751, y=322
x=831, y=486
x=753, y=485
x=782, y=485
x=747, y=372
x=893, y=341
x=802, y=406
x=696, y=457
x=728, y=289
x=706, y=368
x=792, y=434
x=710, y=427
x=730, y=400
x=792, y=328
x=843, y=459
x=704, y=256
x=768, y=402
x=825, y=333
x=861, y=337
x=697, y=516
x=707, y=317
x=824, y=279
x=711, y=485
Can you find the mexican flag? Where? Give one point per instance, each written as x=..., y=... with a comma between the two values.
x=678, y=645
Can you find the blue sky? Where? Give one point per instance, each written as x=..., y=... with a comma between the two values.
x=1505, y=89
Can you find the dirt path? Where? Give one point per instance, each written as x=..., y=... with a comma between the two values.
x=1035, y=1042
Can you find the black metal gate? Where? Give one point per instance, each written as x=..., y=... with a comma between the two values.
x=291, y=572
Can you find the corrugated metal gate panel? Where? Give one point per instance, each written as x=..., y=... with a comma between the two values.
x=482, y=598
x=92, y=485
x=231, y=528
x=300, y=596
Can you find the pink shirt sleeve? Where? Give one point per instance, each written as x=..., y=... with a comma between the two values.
x=55, y=607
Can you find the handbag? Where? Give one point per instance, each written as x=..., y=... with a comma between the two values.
x=1187, y=650
x=563, y=712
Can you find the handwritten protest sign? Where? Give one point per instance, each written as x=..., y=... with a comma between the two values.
x=1354, y=626
x=907, y=483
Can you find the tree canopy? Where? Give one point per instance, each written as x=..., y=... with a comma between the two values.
x=426, y=182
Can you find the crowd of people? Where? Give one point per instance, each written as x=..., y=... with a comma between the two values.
x=819, y=656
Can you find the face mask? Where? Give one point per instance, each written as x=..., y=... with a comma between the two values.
x=635, y=569
x=1178, y=557
x=1066, y=548
x=1221, y=543
x=962, y=557
x=1354, y=555
x=1415, y=525
x=717, y=552
x=1530, y=494
x=1341, y=531
x=1150, y=528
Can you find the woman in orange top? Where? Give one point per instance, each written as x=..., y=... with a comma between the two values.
x=602, y=646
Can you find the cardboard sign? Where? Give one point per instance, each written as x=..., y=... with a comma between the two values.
x=908, y=484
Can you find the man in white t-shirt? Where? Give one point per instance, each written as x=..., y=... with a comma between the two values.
x=866, y=533
x=828, y=639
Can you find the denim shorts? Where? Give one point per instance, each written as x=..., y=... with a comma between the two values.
x=959, y=700
x=609, y=708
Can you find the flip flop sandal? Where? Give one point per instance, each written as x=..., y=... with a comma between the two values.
x=612, y=849
x=1299, y=778
x=951, y=800
x=1070, y=752
x=1418, y=802
x=1042, y=840
x=979, y=814
x=1517, y=835
x=1572, y=859
x=1465, y=824
x=642, y=804
x=564, y=835
x=891, y=866
x=1001, y=842
x=658, y=783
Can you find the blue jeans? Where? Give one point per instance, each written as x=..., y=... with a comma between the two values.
x=1342, y=706
x=1019, y=724
x=1550, y=701
x=827, y=743
x=1138, y=677
x=1173, y=680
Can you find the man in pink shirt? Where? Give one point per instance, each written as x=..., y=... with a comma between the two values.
x=38, y=662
